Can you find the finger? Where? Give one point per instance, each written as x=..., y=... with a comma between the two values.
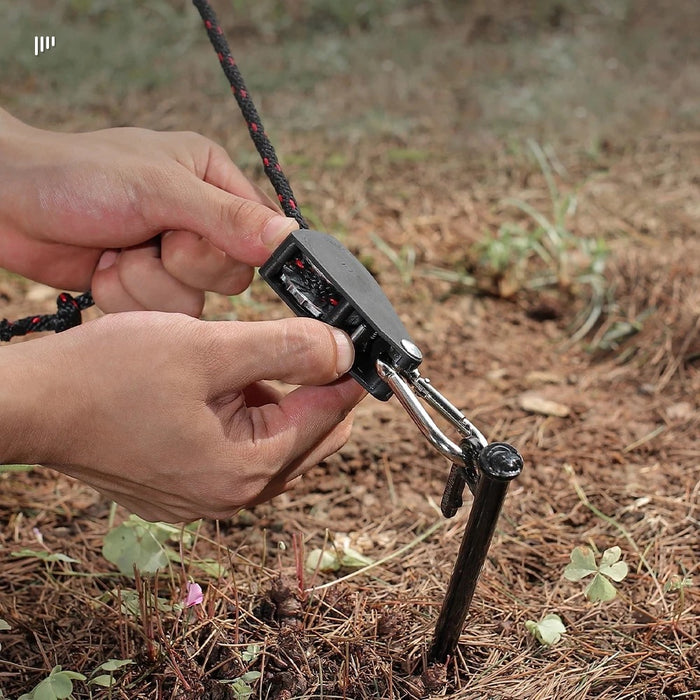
x=328, y=446
x=293, y=350
x=195, y=262
x=291, y=475
x=222, y=172
x=144, y=278
x=107, y=289
x=243, y=228
x=303, y=419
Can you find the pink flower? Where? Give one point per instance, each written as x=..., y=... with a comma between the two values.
x=194, y=594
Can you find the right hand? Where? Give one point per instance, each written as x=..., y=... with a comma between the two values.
x=170, y=416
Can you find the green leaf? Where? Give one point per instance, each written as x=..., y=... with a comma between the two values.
x=252, y=651
x=44, y=691
x=132, y=544
x=610, y=556
x=210, y=567
x=323, y=560
x=105, y=681
x=58, y=685
x=600, y=589
x=131, y=603
x=251, y=676
x=548, y=630
x=4, y=625
x=352, y=559
x=45, y=556
x=582, y=564
x=73, y=675
x=240, y=689
x=611, y=567
x=676, y=583
x=114, y=664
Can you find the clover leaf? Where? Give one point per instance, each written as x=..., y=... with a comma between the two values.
x=548, y=630
x=58, y=685
x=610, y=567
x=137, y=543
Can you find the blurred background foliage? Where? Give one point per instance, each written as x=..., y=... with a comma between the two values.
x=578, y=69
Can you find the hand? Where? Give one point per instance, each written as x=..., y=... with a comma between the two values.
x=148, y=220
x=170, y=416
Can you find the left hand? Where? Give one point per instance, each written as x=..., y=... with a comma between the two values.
x=148, y=220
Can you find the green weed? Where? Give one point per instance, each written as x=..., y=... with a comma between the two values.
x=610, y=568
x=548, y=630
x=542, y=252
x=404, y=260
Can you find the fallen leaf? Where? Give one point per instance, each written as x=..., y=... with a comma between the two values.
x=534, y=403
x=540, y=377
x=679, y=411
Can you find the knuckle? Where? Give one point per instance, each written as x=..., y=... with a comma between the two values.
x=238, y=281
x=312, y=342
x=243, y=214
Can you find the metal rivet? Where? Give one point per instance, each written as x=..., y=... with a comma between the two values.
x=412, y=349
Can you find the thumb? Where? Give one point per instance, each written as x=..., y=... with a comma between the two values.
x=244, y=229
x=292, y=350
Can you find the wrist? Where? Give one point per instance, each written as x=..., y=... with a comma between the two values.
x=28, y=414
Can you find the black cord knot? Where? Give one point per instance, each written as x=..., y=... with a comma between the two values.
x=68, y=313
x=5, y=330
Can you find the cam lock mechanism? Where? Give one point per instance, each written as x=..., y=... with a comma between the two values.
x=318, y=277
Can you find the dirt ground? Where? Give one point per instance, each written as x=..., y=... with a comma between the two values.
x=417, y=132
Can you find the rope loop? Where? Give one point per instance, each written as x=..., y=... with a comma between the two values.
x=67, y=314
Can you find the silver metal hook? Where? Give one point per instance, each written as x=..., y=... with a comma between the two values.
x=404, y=387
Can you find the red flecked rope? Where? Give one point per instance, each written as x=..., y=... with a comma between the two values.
x=250, y=114
x=67, y=316
x=68, y=313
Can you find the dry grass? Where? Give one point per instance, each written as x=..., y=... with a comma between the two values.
x=623, y=468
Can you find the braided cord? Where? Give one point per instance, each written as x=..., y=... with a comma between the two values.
x=68, y=308
x=264, y=147
x=67, y=316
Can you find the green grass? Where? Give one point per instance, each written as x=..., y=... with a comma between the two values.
x=102, y=48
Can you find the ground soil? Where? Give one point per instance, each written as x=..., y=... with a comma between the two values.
x=426, y=156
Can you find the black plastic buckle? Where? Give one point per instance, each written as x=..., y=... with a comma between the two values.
x=318, y=277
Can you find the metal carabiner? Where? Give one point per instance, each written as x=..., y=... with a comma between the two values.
x=404, y=385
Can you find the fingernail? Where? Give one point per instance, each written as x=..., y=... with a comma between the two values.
x=276, y=230
x=346, y=352
x=107, y=259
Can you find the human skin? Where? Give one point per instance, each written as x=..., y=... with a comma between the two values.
x=170, y=415
x=166, y=414
x=148, y=220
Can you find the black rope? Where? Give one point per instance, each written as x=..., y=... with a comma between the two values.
x=67, y=316
x=68, y=308
x=261, y=140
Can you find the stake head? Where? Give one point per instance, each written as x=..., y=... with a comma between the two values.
x=500, y=461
